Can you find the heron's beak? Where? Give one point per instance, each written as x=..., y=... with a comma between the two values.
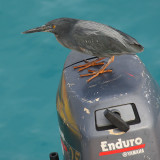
x=43, y=28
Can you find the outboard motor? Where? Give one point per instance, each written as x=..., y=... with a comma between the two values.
x=113, y=117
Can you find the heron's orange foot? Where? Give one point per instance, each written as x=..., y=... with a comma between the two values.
x=94, y=74
x=100, y=71
x=89, y=64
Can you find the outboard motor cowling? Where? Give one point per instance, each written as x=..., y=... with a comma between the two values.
x=113, y=117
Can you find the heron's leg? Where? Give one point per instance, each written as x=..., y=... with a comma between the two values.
x=89, y=64
x=101, y=70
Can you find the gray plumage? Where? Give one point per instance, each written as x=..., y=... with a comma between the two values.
x=90, y=37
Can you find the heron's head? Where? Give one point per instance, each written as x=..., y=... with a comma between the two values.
x=56, y=26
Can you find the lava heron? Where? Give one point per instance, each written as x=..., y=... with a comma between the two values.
x=91, y=38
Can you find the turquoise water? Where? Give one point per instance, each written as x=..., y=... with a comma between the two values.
x=31, y=65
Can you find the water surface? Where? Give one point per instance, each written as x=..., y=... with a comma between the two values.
x=31, y=65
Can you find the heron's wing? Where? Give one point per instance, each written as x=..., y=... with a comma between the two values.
x=94, y=36
x=98, y=38
x=129, y=41
x=92, y=43
x=127, y=38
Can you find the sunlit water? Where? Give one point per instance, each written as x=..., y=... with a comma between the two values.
x=31, y=65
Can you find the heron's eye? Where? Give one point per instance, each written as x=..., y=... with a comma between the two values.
x=53, y=26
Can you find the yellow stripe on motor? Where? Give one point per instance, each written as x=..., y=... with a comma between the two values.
x=64, y=109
